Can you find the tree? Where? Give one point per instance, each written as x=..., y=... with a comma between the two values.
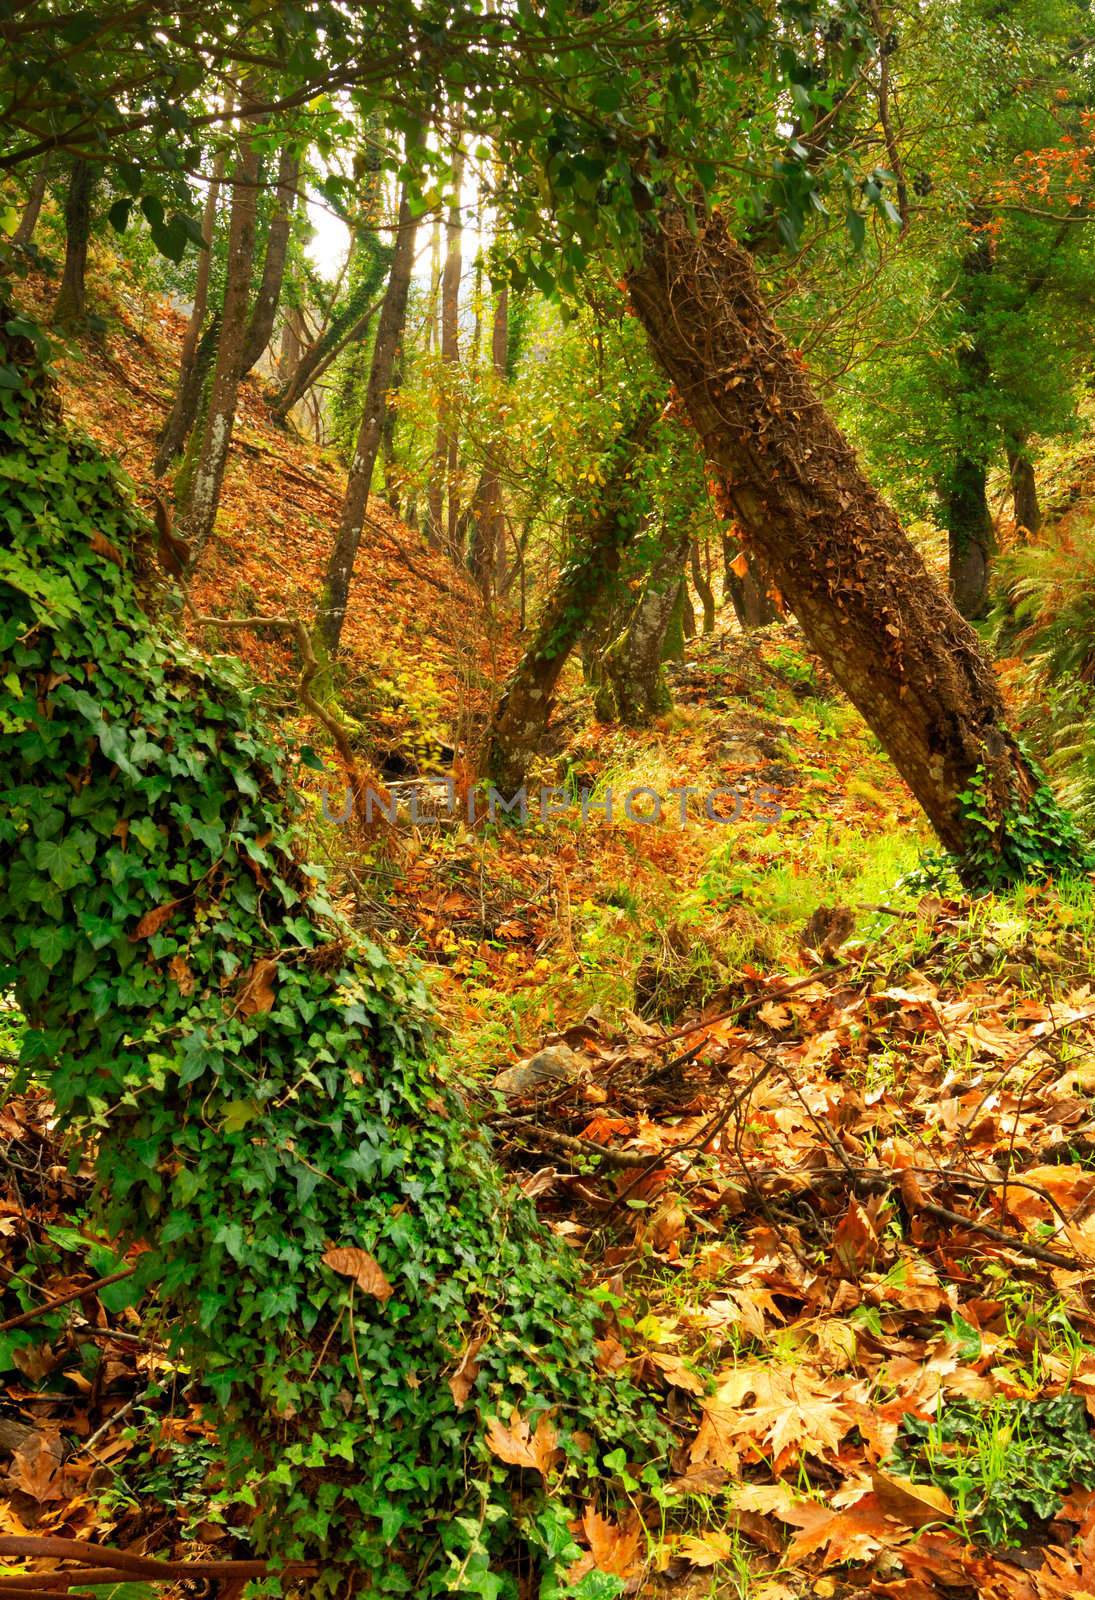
x=36, y=194
x=614, y=518
x=633, y=661
x=83, y=179
x=268, y=297
x=191, y=374
x=393, y=311
x=441, y=528
x=198, y=508
x=897, y=646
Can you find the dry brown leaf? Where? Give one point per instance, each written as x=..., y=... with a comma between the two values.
x=36, y=1469
x=516, y=1445
x=257, y=988
x=154, y=920
x=102, y=546
x=363, y=1268
x=463, y=1379
x=178, y=968
x=674, y=1371
x=612, y=1549
x=855, y=1242
x=914, y=1504
x=707, y=1549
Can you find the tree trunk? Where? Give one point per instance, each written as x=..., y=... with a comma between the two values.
x=1024, y=488
x=970, y=536
x=387, y=432
x=970, y=533
x=633, y=661
x=441, y=528
x=24, y=233
x=71, y=297
x=895, y=643
x=747, y=592
x=273, y=266
x=195, y=516
x=350, y=326
x=702, y=585
x=188, y=389
x=487, y=527
x=393, y=313
x=616, y=516
x=289, y=353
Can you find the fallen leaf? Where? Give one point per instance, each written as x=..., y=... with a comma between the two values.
x=154, y=920
x=256, y=992
x=363, y=1268
x=914, y=1504
x=612, y=1549
x=516, y=1445
x=463, y=1379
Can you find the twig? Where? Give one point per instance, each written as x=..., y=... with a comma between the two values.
x=63, y=1299
x=565, y=1141
x=51, y=1548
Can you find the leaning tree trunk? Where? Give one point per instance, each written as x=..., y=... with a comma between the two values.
x=895, y=643
x=393, y=314
x=187, y=393
x=197, y=512
x=1024, y=487
x=333, y=1254
x=273, y=266
x=633, y=661
x=583, y=585
x=69, y=305
x=24, y=233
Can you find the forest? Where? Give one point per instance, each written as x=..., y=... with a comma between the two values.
x=547, y=799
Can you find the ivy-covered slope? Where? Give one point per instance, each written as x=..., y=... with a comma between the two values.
x=258, y=1082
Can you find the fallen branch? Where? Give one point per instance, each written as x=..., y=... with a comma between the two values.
x=43, y=1310
x=565, y=1141
x=97, y=1557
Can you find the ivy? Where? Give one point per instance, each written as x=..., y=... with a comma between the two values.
x=260, y=1085
x=1034, y=838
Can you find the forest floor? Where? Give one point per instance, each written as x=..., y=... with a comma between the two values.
x=824, y=1140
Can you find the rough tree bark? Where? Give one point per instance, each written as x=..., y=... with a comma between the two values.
x=273, y=266
x=24, y=233
x=196, y=514
x=702, y=584
x=746, y=591
x=1024, y=487
x=393, y=314
x=71, y=297
x=970, y=535
x=187, y=392
x=522, y=713
x=441, y=527
x=895, y=643
x=633, y=661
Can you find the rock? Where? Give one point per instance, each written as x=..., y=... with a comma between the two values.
x=555, y=1065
